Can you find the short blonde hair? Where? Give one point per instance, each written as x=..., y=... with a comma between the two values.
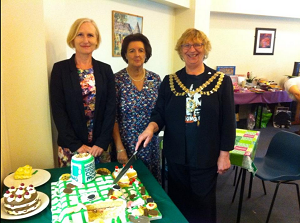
x=196, y=36
x=74, y=30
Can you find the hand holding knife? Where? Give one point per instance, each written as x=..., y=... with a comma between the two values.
x=129, y=163
x=147, y=135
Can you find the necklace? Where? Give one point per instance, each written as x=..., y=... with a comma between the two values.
x=135, y=79
x=199, y=89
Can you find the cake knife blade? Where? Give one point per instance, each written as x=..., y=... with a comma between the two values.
x=129, y=163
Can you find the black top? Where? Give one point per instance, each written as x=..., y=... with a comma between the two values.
x=68, y=110
x=193, y=118
x=197, y=143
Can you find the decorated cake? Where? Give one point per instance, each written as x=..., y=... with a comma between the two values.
x=21, y=200
x=100, y=200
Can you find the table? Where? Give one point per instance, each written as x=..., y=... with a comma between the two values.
x=266, y=97
x=170, y=212
x=243, y=156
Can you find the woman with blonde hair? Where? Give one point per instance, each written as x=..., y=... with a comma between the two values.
x=195, y=105
x=82, y=95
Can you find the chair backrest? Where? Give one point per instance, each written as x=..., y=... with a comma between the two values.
x=284, y=151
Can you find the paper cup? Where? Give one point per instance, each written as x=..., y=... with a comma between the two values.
x=83, y=168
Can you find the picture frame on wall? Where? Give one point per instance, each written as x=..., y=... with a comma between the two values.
x=296, y=71
x=229, y=70
x=264, y=41
x=124, y=24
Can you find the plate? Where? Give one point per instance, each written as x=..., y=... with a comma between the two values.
x=41, y=177
x=44, y=203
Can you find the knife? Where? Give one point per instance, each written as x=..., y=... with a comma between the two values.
x=129, y=163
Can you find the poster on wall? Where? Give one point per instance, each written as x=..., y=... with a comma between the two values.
x=229, y=70
x=264, y=41
x=124, y=24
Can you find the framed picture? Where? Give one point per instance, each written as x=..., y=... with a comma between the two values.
x=123, y=24
x=264, y=41
x=296, y=71
x=229, y=70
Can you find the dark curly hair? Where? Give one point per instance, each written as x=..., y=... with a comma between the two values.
x=136, y=37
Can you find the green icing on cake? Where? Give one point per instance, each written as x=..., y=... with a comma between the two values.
x=67, y=207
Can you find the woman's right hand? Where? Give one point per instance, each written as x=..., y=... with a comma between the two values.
x=84, y=149
x=147, y=135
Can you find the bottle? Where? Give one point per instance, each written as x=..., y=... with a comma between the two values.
x=251, y=121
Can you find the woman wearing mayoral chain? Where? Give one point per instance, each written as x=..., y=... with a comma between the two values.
x=195, y=105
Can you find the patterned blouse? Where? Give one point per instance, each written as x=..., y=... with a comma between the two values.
x=134, y=109
x=88, y=87
x=87, y=83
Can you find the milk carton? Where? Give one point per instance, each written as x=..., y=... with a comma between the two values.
x=83, y=168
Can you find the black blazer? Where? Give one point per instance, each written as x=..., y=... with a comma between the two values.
x=68, y=110
x=217, y=128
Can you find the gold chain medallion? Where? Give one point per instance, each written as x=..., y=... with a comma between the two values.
x=190, y=105
x=199, y=89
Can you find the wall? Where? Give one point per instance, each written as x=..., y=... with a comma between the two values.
x=158, y=26
x=232, y=37
x=175, y=3
x=277, y=8
x=24, y=100
x=196, y=16
x=5, y=154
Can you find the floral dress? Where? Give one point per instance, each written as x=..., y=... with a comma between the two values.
x=134, y=109
x=87, y=83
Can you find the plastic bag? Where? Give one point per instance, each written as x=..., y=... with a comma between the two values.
x=266, y=116
x=250, y=121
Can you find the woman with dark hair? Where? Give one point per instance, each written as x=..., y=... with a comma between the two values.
x=136, y=93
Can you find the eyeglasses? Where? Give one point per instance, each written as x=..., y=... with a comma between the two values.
x=197, y=46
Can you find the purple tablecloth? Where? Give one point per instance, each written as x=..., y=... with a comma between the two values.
x=266, y=97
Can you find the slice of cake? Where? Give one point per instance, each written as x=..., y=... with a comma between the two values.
x=105, y=210
x=124, y=181
x=21, y=200
x=131, y=173
x=23, y=172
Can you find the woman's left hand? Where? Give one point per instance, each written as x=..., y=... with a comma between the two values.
x=223, y=162
x=96, y=151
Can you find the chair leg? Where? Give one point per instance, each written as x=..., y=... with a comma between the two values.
x=273, y=200
x=163, y=171
x=237, y=185
x=235, y=174
x=250, y=185
x=263, y=183
x=297, y=188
